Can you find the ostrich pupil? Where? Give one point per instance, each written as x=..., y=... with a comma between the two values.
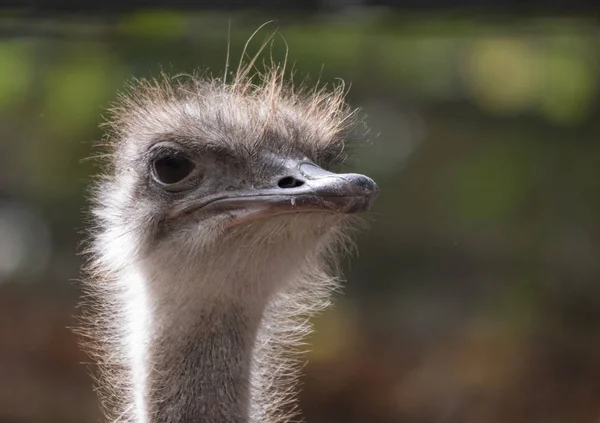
x=172, y=169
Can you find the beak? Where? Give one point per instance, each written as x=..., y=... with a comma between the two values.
x=300, y=187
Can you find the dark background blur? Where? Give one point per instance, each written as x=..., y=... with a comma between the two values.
x=476, y=293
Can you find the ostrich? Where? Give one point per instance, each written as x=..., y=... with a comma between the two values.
x=217, y=226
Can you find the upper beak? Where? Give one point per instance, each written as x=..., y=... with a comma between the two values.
x=314, y=188
x=300, y=187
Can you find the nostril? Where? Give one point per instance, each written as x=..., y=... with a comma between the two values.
x=289, y=182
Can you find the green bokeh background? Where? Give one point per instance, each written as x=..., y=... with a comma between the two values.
x=475, y=296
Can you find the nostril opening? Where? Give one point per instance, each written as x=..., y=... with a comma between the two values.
x=289, y=182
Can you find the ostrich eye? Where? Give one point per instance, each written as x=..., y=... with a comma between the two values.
x=171, y=169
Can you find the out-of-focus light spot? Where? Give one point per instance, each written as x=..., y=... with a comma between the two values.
x=155, y=23
x=396, y=134
x=569, y=87
x=24, y=242
x=502, y=75
x=65, y=109
x=423, y=67
x=15, y=73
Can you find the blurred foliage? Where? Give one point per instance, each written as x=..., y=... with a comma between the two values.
x=476, y=295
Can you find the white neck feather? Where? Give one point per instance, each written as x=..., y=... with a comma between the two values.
x=137, y=338
x=190, y=342
x=207, y=337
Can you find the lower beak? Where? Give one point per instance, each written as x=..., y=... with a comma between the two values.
x=302, y=187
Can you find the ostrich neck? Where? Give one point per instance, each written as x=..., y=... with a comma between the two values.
x=201, y=366
x=193, y=363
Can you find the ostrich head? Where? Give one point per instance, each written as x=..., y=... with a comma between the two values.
x=216, y=226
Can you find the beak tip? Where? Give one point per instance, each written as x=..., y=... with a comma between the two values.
x=367, y=191
x=366, y=184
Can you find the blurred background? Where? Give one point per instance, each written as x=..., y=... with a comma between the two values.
x=475, y=296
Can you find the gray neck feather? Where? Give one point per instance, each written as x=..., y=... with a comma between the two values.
x=204, y=328
x=201, y=367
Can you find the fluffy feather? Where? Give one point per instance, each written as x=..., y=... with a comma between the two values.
x=127, y=250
